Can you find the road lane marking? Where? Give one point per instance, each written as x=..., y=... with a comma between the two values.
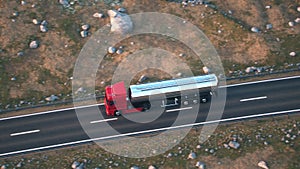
x=101, y=104
x=260, y=81
x=24, y=132
x=105, y=120
x=47, y=112
x=254, y=98
x=172, y=110
x=148, y=131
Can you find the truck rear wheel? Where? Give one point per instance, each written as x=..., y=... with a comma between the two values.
x=117, y=113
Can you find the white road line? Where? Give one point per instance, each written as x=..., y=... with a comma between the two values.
x=24, y=132
x=47, y=112
x=172, y=110
x=149, y=131
x=261, y=81
x=254, y=98
x=105, y=120
x=233, y=85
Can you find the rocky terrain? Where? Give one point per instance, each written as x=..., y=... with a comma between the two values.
x=40, y=40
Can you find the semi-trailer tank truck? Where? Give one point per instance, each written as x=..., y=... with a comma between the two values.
x=192, y=90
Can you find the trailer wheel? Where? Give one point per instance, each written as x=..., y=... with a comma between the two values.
x=204, y=100
x=117, y=113
x=146, y=106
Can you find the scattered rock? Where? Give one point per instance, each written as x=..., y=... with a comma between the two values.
x=269, y=26
x=134, y=167
x=112, y=50
x=43, y=28
x=19, y=164
x=84, y=33
x=65, y=3
x=75, y=164
x=119, y=51
x=293, y=54
x=51, y=98
x=192, y=155
x=151, y=167
x=234, y=144
x=200, y=165
x=80, y=90
x=44, y=22
x=262, y=164
x=250, y=69
x=123, y=10
x=16, y=13
x=255, y=30
x=23, y=3
x=34, y=44
x=120, y=22
x=142, y=78
x=181, y=55
x=98, y=15
x=35, y=21
x=291, y=23
x=85, y=27
x=268, y=7
x=206, y=70
x=20, y=54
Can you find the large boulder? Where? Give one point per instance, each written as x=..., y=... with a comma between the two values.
x=120, y=22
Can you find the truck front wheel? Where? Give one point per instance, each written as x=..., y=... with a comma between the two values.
x=117, y=113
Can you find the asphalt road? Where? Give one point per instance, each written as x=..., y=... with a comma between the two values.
x=62, y=128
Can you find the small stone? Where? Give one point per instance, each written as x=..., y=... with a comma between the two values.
x=134, y=167
x=269, y=26
x=200, y=165
x=142, y=78
x=85, y=27
x=151, y=167
x=43, y=28
x=44, y=22
x=112, y=50
x=75, y=164
x=35, y=21
x=291, y=24
x=268, y=7
x=234, y=144
x=65, y=3
x=13, y=79
x=98, y=15
x=119, y=51
x=20, y=54
x=206, y=70
x=262, y=164
x=293, y=54
x=123, y=10
x=132, y=43
x=16, y=13
x=19, y=164
x=34, y=44
x=211, y=151
x=255, y=29
x=51, y=98
x=297, y=20
x=169, y=155
x=23, y=3
x=181, y=55
x=298, y=8
x=3, y=167
x=84, y=33
x=192, y=155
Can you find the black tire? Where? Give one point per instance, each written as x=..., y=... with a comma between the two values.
x=146, y=106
